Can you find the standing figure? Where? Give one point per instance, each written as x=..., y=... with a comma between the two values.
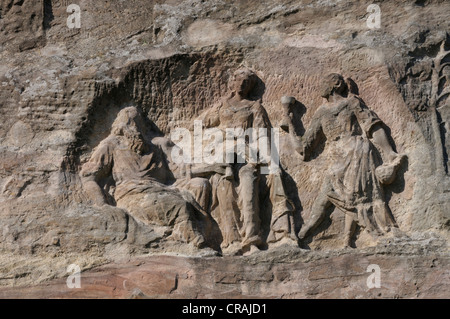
x=356, y=173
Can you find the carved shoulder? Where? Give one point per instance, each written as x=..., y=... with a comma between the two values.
x=367, y=118
x=210, y=117
x=261, y=119
x=101, y=158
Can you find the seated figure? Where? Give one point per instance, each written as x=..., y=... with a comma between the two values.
x=131, y=164
x=240, y=193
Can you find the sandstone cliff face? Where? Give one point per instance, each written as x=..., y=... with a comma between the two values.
x=62, y=88
x=286, y=273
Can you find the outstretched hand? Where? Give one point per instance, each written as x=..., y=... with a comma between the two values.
x=286, y=122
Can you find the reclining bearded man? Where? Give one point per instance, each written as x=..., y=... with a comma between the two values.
x=131, y=160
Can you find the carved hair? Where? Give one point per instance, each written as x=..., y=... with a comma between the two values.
x=245, y=74
x=123, y=120
x=352, y=86
x=334, y=83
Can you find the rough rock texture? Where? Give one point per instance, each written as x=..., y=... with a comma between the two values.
x=61, y=89
x=414, y=268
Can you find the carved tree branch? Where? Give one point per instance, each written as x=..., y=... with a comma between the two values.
x=434, y=99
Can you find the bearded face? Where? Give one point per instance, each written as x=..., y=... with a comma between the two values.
x=135, y=140
x=130, y=124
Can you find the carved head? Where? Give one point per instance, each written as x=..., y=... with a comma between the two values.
x=334, y=84
x=131, y=124
x=243, y=82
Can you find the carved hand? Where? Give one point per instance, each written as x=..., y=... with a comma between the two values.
x=298, y=145
x=286, y=122
x=94, y=193
x=209, y=169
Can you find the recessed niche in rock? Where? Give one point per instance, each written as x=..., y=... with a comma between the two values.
x=224, y=149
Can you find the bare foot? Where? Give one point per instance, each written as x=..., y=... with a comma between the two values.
x=233, y=249
x=253, y=249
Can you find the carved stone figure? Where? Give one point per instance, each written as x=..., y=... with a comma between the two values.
x=440, y=91
x=425, y=87
x=129, y=169
x=241, y=193
x=356, y=174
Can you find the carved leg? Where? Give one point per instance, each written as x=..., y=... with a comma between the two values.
x=281, y=225
x=200, y=188
x=166, y=207
x=350, y=227
x=229, y=215
x=318, y=211
x=249, y=201
x=185, y=226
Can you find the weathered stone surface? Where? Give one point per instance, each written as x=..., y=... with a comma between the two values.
x=409, y=269
x=61, y=90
